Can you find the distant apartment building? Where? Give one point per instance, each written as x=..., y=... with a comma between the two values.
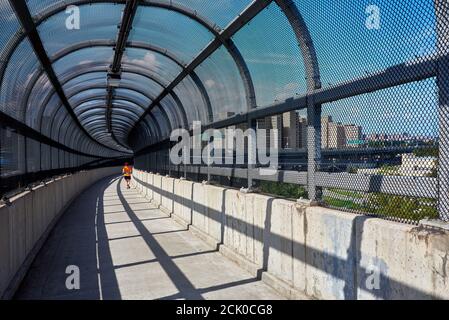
x=335, y=135
x=353, y=135
x=290, y=128
x=302, y=132
x=275, y=141
x=272, y=123
x=325, y=131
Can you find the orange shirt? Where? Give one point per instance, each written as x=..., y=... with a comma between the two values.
x=127, y=171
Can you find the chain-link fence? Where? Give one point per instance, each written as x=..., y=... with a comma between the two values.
x=356, y=92
x=363, y=131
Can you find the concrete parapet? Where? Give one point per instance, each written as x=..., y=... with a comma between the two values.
x=157, y=183
x=167, y=195
x=27, y=221
x=199, y=212
x=182, y=207
x=411, y=261
x=214, y=207
x=308, y=251
x=150, y=181
x=146, y=190
x=330, y=253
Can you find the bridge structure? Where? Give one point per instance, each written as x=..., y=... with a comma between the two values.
x=87, y=85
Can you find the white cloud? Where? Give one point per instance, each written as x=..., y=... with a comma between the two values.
x=277, y=60
x=85, y=62
x=149, y=60
x=210, y=83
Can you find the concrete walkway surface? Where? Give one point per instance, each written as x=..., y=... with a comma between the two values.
x=126, y=248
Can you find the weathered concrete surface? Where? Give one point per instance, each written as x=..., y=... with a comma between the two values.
x=126, y=248
x=25, y=223
x=327, y=254
x=182, y=206
x=157, y=183
x=412, y=261
x=330, y=254
x=148, y=193
x=167, y=197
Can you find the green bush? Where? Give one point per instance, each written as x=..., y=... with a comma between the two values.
x=427, y=152
x=286, y=190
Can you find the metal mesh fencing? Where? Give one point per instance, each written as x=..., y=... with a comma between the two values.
x=356, y=91
x=359, y=127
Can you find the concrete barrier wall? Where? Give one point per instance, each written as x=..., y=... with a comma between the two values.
x=25, y=223
x=183, y=191
x=157, y=183
x=147, y=191
x=167, y=196
x=314, y=251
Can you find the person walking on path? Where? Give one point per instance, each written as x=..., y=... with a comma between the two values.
x=127, y=172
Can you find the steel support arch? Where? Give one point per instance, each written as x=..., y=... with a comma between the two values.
x=248, y=14
x=181, y=109
x=30, y=28
x=123, y=87
x=103, y=87
x=125, y=27
x=144, y=46
x=227, y=42
x=165, y=115
x=313, y=83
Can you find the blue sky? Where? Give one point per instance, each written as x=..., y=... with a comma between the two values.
x=345, y=48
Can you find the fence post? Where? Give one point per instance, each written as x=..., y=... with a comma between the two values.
x=251, y=152
x=312, y=69
x=313, y=149
x=442, y=26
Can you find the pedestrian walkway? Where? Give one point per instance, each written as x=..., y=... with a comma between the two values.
x=126, y=248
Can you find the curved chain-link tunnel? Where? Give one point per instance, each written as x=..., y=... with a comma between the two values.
x=360, y=84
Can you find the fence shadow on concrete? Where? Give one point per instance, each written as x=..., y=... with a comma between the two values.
x=347, y=270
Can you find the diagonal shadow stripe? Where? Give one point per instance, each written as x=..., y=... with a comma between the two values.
x=182, y=283
x=336, y=266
